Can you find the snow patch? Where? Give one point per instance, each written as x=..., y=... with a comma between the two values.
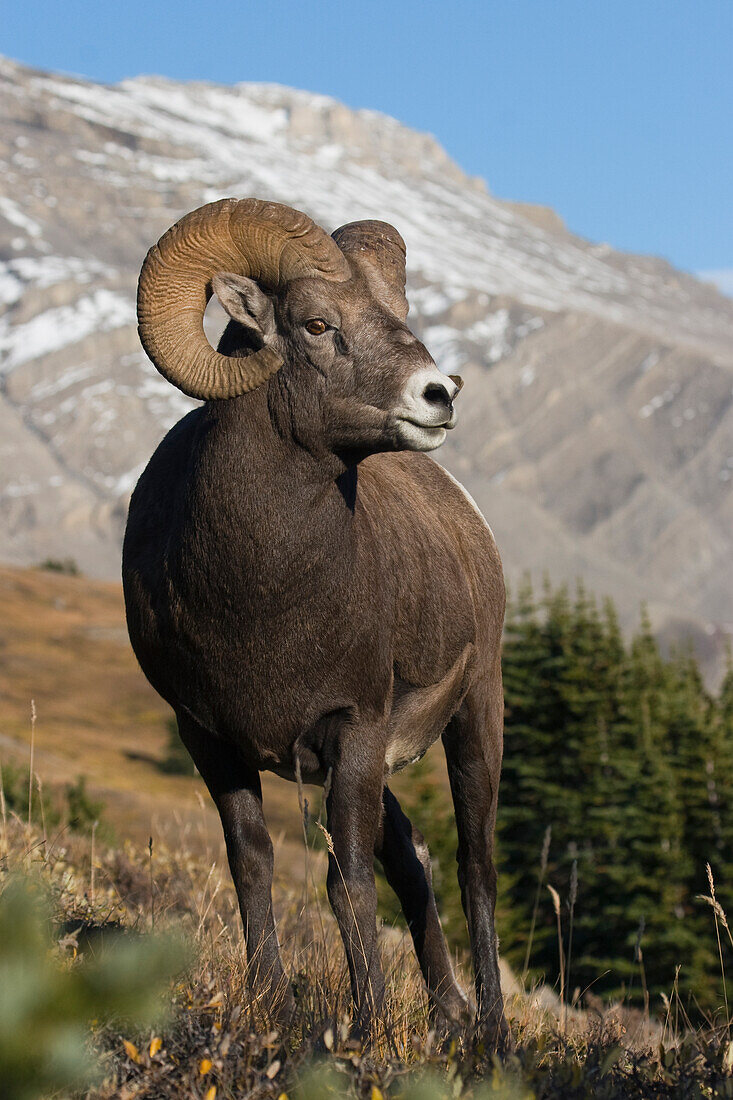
x=127, y=481
x=13, y=214
x=16, y=489
x=492, y=333
x=650, y=361
x=431, y=301
x=660, y=400
x=44, y=271
x=57, y=385
x=11, y=288
x=101, y=311
x=225, y=109
x=530, y=325
x=444, y=345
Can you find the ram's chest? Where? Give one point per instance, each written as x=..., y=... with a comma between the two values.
x=265, y=662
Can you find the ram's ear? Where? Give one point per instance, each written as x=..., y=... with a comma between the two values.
x=246, y=303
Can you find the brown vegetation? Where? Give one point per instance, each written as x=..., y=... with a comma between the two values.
x=218, y=1042
x=63, y=644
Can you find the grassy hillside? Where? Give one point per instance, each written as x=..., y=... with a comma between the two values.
x=72, y=694
x=94, y=972
x=63, y=644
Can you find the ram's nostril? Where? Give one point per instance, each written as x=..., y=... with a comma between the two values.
x=437, y=394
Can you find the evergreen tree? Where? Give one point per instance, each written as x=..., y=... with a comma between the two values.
x=701, y=759
x=651, y=856
x=530, y=795
x=630, y=761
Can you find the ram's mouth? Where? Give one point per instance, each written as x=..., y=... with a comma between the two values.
x=446, y=425
x=426, y=426
x=415, y=436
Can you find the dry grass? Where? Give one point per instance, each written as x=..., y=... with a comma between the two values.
x=64, y=645
x=220, y=1043
x=63, y=642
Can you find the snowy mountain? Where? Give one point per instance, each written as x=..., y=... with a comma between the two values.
x=597, y=418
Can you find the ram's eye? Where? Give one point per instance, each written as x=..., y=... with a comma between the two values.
x=316, y=327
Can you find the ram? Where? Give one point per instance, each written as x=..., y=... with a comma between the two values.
x=312, y=595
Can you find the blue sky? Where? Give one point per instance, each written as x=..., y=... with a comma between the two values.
x=617, y=113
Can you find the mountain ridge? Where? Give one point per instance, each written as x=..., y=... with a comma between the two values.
x=597, y=420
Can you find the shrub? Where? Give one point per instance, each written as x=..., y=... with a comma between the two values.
x=83, y=810
x=67, y=566
x=47, y=1002
x=53, y=807
x=177, y=760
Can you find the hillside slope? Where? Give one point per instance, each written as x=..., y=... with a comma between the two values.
x=597, y=419
x=63, y=644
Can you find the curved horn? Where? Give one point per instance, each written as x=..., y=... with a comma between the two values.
x=380, y=248
x=262, y=240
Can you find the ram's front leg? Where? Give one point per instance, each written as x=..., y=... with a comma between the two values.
x=354, y=809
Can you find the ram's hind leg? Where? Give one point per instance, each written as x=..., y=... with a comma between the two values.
x=473, y=749
x=237, y=792
x=405, y=858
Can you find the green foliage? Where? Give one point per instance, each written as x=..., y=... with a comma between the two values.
x=629, y=760
x=67, y=566
x=177, y=760
x=623, y=754
x=597, y=1067
x=46, y=806
x=323, y=1082
x=54, y=807
x=83, y=810
x=47, y=1002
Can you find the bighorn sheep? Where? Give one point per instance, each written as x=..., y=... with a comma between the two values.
x=310, y=595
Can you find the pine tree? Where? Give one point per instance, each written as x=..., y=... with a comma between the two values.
x=529, y=794
x=701, y=759
x=630, y=761
x=587, y=751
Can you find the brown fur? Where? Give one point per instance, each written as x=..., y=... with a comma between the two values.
x=310, y=598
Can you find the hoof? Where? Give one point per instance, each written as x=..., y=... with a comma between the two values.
x=495, y=1037
x=454, y=1015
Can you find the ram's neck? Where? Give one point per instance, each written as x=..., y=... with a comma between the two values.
x=262, y=504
